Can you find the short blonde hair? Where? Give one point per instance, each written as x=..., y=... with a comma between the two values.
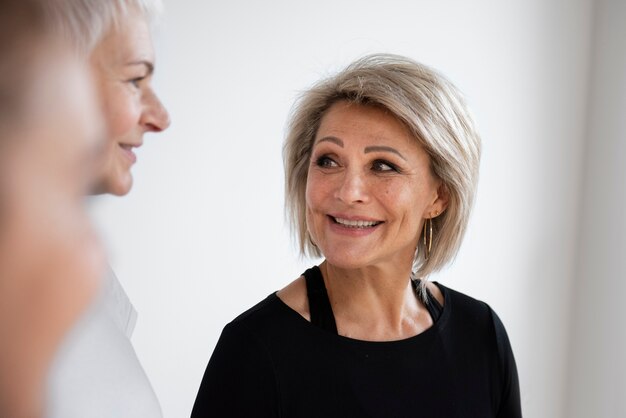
x=434, y=111
x=81, y=23
x=86, y=22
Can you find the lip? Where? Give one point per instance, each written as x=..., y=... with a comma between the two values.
x=351, y=231
x=127, y=150
x=353, y=217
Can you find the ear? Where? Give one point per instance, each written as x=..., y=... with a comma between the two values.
x=440, y=202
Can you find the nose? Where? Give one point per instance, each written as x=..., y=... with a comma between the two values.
x=352, y=188
x=155, y=117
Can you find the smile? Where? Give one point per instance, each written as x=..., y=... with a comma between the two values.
x=129, y=147
x=355, y=223
x=127, y=150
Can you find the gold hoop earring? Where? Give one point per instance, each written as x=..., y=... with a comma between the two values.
x=428, y=230
x=428, y=237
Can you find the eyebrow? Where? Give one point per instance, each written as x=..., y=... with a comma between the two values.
x=382, y=148
x=372, y=148
x=149, y=65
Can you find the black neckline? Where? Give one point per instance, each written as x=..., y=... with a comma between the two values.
x=417, y=338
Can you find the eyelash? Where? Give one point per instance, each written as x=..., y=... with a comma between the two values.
x=324, y=161
x=392, y=166
x=135, y=81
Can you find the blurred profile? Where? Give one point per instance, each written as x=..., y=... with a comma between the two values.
x=50, y=259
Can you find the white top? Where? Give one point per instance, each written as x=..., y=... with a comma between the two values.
x=96, y=373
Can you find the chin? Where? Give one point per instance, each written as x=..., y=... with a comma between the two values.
x=115, y=185
x=347, y=260
x=122, y=187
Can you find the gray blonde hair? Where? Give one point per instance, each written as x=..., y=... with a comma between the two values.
x=434, y=111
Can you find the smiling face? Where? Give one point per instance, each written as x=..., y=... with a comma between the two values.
x=123, y=63
x=369, y=188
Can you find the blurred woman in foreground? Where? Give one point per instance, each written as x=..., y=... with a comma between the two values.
x=50, y=261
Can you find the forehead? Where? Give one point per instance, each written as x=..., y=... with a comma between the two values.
x=353, y=121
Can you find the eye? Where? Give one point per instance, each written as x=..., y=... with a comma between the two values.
x=325, y=162
x=384, y=166
x=136, y=81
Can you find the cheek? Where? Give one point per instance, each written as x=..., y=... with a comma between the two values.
x=315, y=197
x=122, y=112
x=318, y=189
x=403, y=199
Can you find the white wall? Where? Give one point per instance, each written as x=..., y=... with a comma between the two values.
x=201, y=237
x=598, y=344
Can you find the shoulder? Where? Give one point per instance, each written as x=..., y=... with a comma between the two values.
x=115, y=303
x=267, y=308
x=262, y=322
x=472, y=317
x=97, y=347
x=248, y=339
x=468, y=315
x=294, y=295
x=436, y=292
x=461, y=303
x=475, y=319
x=273, y=323
x=480, y=331
x=240, y=377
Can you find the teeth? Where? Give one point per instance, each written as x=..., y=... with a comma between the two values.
x=356, y=224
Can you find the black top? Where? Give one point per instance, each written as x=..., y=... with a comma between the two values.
x=271, y=362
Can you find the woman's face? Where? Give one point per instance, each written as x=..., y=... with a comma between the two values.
x=369, y=188
x=123, y=64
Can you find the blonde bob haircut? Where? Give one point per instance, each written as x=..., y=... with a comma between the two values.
x=434, y=111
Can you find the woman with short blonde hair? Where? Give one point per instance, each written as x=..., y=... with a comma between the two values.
x=381, y=165
x=435, y=113
x=97, y=372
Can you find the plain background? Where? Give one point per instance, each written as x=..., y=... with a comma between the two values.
x=202, y=236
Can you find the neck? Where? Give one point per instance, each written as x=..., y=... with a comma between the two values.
x=374, y=302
